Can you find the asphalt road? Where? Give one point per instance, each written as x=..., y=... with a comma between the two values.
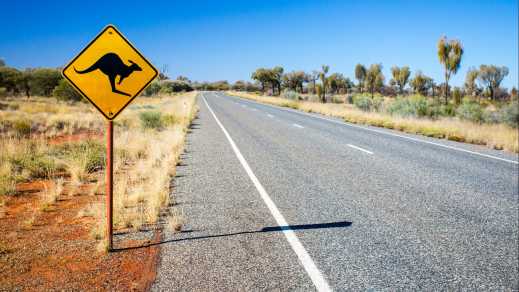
x=367, y=208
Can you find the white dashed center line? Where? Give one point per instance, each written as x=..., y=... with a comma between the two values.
x=297, y=126
x=360, y=149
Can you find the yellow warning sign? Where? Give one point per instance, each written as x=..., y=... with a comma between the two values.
x=110, y=72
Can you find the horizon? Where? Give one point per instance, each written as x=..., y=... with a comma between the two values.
x=213, y=41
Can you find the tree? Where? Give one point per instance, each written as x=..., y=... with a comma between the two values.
x=163, y=73
x=360, y=75
x=261, y=75
x=294, y=80
x=276, y=75
x=64, y=91
x=470, y=81
x=239, y=85
x=10, y=79
x=183, y=78
x=400, y=77
x=491, y=76
x=449, y=54
x=421, y=83
x=322, y=75
x=374, y=79
x=513, y=94
x=2, y=63
x=43, y=81
x=313, y=77
x=337, y=83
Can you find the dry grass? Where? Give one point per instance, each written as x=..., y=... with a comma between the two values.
x=51, y=194
x=496, y=136
x=144, y=164
x=48, y=117
x=146, y=158
x=175, y=221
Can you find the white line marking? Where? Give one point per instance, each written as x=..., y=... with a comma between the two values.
x=358, y=148
x=385, y=133
x=270, y=116
x=298, y=126
x=253, y=109
x=305, y=259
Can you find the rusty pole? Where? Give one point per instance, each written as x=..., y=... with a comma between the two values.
x=109, y=182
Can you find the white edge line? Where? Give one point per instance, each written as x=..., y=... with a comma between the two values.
x=305, y=259
x=298, y=126
x=382, y=132
x=360, y=149
x=270, y=116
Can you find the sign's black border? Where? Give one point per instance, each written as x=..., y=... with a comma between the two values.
x=89, y=44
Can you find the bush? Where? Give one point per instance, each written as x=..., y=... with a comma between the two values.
x=415, y=105
x=169, y=120
x=64, y=91
x=22, y=128
x=3, y=92
x=171, y=86
x=151, y=120
x=152, y=89
x=366, y=103
x=349, y=99
x=43, y=81
x=289, y=94
x=510, y=114
x=36, y=165
x=470, y=110
x=362, y=102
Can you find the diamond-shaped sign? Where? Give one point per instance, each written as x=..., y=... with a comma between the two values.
x=110, y=72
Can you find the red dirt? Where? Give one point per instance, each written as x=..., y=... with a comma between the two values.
x=57, y=252
x=75, y=137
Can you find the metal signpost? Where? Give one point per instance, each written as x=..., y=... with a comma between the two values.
x=110, y=73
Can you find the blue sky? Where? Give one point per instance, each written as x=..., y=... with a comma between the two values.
x=215, y=40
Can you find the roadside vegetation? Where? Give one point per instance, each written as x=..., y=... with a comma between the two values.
x=52, y=176
x=479, y=112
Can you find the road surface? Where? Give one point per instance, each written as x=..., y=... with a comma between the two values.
x=281, y=200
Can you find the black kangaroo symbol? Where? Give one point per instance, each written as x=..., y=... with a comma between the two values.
x=112, y=66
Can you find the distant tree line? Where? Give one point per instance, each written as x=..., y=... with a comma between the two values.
x=482, y=82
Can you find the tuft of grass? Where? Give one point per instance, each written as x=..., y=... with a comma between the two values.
x=29, y=222
x=81, y=159
x=151, y=120
x=51, y=195
x=175, y=222
x=22, y=128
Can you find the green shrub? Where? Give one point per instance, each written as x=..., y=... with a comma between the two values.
x=151, y=120
x=152, y=89
x=491, y=117
x=44, y=80
x=510, y=114
x=170, y=86
x=33, y=165
x=92, y=154
x=169, y=120
x=22, y=128
x=415, y=105
x=3, y=91
x=471, y=111
x=64, y=91
x=447, y=110
x=290, y=94
x=362, y=102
